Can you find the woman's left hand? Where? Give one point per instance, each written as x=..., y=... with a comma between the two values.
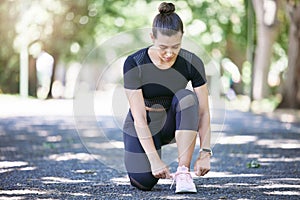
x=202, y=164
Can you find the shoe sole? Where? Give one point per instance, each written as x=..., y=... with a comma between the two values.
x=186, y=191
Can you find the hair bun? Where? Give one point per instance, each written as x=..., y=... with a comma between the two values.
x=166, y=8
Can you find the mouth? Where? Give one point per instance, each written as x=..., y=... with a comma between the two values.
x=168, y=58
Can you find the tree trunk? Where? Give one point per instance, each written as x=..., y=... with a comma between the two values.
x=266, y=34
x=291, y=85
x=32, y=77
x=53, y=76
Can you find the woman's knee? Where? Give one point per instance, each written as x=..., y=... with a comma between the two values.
x=187, y=110
x=185, y=99
x=143, y=181
x=139, y=171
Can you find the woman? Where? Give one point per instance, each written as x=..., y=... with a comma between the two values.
x=162, y=111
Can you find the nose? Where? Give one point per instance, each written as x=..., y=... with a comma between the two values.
x=169, y=53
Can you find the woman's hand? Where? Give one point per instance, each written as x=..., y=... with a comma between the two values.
x=160, y=169
x=202, y=164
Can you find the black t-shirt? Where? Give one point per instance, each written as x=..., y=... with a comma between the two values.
x=155, y=82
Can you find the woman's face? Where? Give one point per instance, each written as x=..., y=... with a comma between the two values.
x=167, y=46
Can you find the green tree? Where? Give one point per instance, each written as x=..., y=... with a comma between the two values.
x=291, y=85
x=69, y=30
x=267, y=31
x=277, y=41
x=221, y=27
x=9, y=73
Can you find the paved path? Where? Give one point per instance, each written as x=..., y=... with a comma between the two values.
x=43, y=156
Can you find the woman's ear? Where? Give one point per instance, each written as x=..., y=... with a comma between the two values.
x=152, y=37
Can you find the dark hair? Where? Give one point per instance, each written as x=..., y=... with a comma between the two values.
x=167, y=21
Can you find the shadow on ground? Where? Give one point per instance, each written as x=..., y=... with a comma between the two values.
x=45, y=157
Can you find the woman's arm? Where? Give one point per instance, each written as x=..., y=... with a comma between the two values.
x=204, y=123
x=202, y=165
x=137, y=106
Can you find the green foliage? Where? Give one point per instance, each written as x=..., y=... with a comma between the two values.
x=226, y=26
x=253, y=164
x=9, y=61
x=69, y=30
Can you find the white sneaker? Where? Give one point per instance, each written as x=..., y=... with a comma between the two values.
x=184, y=181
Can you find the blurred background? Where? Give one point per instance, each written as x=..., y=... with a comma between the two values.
x=254, y=43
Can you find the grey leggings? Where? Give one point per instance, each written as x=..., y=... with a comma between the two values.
x=182, y=115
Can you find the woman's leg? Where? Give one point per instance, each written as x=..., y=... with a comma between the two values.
x=136, y=161
x=183, y=119
x=137, y=164
x=185, y=140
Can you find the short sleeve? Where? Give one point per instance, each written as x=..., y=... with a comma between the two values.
x=198, y=76
x=131, y=76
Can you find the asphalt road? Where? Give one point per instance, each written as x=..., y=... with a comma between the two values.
x=51, y=156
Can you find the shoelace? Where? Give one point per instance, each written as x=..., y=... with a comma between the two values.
x=176, y=174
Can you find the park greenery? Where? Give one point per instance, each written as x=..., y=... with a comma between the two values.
x=69, y=30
